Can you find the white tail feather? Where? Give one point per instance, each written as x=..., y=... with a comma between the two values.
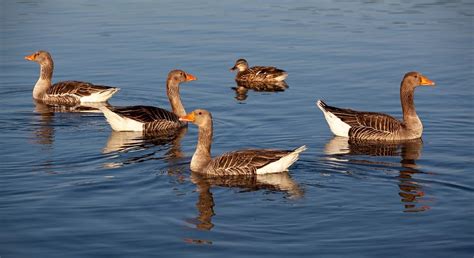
x=102, y=96
x=120, y=123
x=282, y=164
x=281, y=77
x=337, y=126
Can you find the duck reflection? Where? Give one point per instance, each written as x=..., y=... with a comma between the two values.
x=280, y=182
x=243, y=87
x=137, y=142
x=410, y=190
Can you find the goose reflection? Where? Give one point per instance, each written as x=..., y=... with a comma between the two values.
x=134, y=144
x=243, y=87
x=44, y=134
x=411, y=192
x=280, y=182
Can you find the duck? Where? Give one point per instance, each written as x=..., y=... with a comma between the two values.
x=65, y=92
x=257, y=73
x=240, y=162
x=372, y=126
x=149, y=119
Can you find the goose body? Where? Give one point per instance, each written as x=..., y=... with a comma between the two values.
x=241, y=162
x=374, y=126
x=65, y=92
x=257, y=73
x=148, y=118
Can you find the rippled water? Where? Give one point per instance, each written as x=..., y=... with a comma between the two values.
x=72, y=188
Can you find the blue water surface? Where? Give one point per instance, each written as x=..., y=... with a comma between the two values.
x=70, y=187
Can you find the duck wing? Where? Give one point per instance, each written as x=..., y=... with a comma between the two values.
x=262, y=73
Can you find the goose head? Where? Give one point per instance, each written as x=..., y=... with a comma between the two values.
x=415, y=79
x=241, y=65
x=199, y=117
x=179, y=76
x=41, y=57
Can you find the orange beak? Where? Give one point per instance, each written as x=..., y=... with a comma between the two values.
x=188, y=118
x=30, y=57
x=426, y=82
x=190, y=77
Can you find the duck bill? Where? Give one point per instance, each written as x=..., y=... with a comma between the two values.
x=187, y=118
x=233, y=68
x=30, y=57
x=426, y=82
x=190, y=77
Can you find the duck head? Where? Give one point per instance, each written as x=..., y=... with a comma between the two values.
x=241, y=65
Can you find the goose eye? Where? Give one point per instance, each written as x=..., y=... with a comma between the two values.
x=199, y=113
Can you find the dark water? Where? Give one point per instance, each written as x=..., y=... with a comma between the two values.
x=70, y=187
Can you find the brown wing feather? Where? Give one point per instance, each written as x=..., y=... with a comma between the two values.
x=244, y=162
x=366, y=122
x=261, y=73
x=155, y=118
x=76, y=88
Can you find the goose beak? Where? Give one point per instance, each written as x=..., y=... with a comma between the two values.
x=190, y=77
x=30, y=57
x=187, y=118
x=426, y=82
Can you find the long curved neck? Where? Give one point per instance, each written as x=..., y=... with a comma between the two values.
x=202, y=155
x=172, y=89
x=44, y=80
x=407, y=96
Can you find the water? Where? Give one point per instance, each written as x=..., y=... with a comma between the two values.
x=70, y=187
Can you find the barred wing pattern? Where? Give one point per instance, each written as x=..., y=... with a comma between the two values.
x=244, y=162
x=71, y=92
x=154, y=119
x=78, y=88
x=367, y=125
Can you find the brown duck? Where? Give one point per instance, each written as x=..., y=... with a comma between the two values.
x=257, y=73
x=241, y=162
x=377, y=126
x=65, y=92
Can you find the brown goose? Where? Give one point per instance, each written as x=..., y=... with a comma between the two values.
x=151, y=119
x=377, y=126
x=65, y=92
x=241, y=162
x=257, y=73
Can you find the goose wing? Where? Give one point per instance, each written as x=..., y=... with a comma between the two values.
x=365, y=123
x=78, y=88
x=244, y=162
x=146, y=114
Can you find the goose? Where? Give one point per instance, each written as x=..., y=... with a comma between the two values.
x=149, y=119
x=373, y=126
x=241, y=162
x=65, y=92
x=257, y=73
